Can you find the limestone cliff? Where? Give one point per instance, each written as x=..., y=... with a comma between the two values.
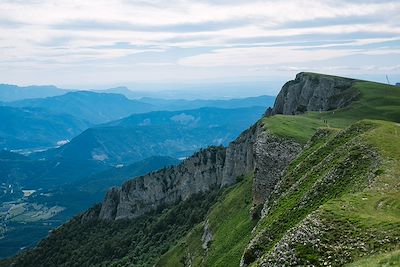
x=314, y=92
x=255, y=150
x=240, y=156
x=198, y=173
x=209, y=168
x=273, y=155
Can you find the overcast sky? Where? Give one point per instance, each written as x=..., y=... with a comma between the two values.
x=104, y=42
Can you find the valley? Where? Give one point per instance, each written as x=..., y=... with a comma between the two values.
x=45, y=183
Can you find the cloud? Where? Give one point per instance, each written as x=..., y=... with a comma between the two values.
x=320, y=22
x=251, y=56
x=190, y=38
x=9, y=23
x=90, y=25
x=337, y=68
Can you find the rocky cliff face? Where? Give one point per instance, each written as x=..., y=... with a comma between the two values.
x=314, y=92
x=255, y=150
x=198, y=173
x=209, y=168
x=240, y=156
x=273, y=154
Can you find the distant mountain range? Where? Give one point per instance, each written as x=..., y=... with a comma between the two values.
x=224, y=91
x=182, y=104
x=199, y=90
x=108, y=105
x=10, y=92
x=167, y=133
x=22, y=128
x=65, y=148
x=100, y=182
x=90, y=106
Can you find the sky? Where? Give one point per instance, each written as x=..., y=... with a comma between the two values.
x=104, y=43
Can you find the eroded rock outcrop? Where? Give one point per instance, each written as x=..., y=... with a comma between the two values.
x=209, y=168
x=199, y=173
x=255, y=150
x=273, y=154
x=207, y=236
x=314, y=92
x=240, y=155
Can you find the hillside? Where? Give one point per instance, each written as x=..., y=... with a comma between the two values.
x=23, y=128
x=90, y=106
x=304, y=220
x=317, y=201
x=336, y=204
x=167, y=133
x=99, y=107
x=59, y=190
x=316, y=182
x=10, y=92
x=101, y=181
x=183, y=104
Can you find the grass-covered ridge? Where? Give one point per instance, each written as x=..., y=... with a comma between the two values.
x=333, y=205
x=385, y=259
x=337, y=203
x=377, y=101
x=230, y=224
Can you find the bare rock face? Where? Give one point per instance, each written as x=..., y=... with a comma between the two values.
x=199, y=173
x=258, y=151
x=109, y=207
x=213, y=167
x=273, y=154
x=207, y=236
x=254, y=151
x=314, y=92
x=240, y=156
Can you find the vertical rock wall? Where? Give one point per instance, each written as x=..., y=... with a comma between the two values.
x=255, y=150
x=314, y=92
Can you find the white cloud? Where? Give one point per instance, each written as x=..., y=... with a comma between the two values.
x=54, y=35
x=259, y=56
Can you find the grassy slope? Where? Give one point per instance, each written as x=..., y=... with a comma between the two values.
x=373, y=213
x=385, y=259
x=364, y=209
x=230, y=224
x=378, y=101
x=330, y=181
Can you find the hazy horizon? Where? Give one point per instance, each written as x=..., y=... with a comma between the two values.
x=99, y=44
x=194, y=89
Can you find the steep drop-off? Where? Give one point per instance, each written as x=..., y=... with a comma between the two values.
x=314, y=92
x=336, y=203
x=254, y=150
